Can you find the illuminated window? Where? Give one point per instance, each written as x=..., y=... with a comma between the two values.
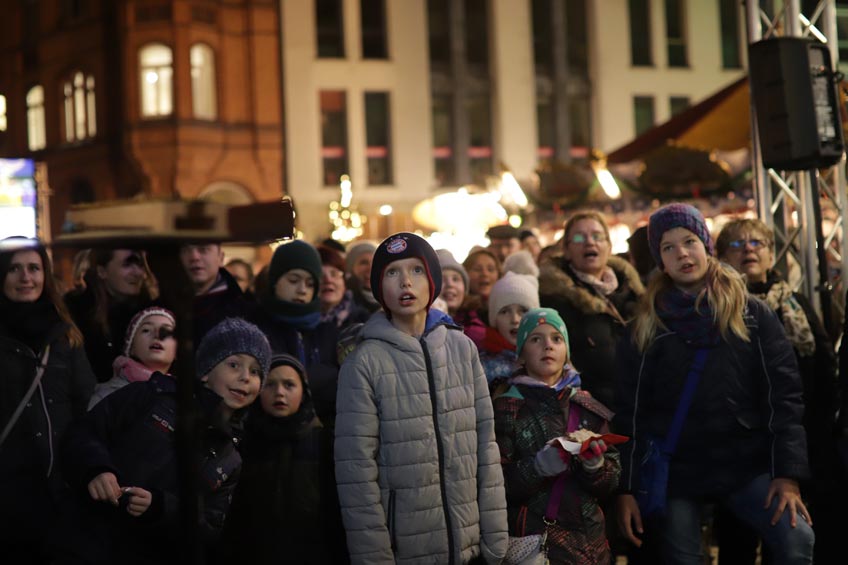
x=36, y=136
x=203, y=98
x=3, y=123
x=155, y=77
x=79, y=107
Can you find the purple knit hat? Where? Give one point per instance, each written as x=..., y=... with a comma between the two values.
x=677, y=215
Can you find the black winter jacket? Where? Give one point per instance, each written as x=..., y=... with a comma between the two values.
x=131, y=434
x=30, y=482
x=745, y=418
x=595, y=323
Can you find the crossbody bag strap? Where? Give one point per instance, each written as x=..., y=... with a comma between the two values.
x=20, y=409
x=670, y=443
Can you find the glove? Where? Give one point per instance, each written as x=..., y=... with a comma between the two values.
x=593, y=458
x=549, y=461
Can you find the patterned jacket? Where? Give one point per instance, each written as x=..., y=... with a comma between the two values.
x=526, y=418
x=416, y=460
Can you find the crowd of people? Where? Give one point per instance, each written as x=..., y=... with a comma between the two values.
x=387, y=403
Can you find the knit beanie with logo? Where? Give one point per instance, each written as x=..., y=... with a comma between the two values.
x=405, y=245
x=513, y=288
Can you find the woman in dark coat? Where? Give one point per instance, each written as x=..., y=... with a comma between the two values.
x=748, y=246
x=117, y=287
x=286, y=500
x=33, y=317
x=596, y=294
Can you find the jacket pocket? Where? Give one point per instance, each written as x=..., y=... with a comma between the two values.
x=390, y=520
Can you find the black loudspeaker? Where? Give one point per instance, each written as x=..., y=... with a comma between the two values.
x=796, y=102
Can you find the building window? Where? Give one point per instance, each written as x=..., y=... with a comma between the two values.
x=842, y=33
x=675, y=25
x=576, y=36
x=480, y=146
x=730, y=52
x=378, y=138
x=79, y=107
x=438, y=29
x=542, y=35
x=203, y=98
x=641, y=54
x=678, y=104
x=372, y=14
x=545, y=126
x=3, y=120
x=579, y=118
x=477, y=33
x=643, y=113
x=334, y=135
x=36, y=135
x=330, y=28
x=156, y=80
x=442, y=139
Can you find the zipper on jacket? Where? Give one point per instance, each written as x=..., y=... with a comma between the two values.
x=431, y=379
x=391, y=521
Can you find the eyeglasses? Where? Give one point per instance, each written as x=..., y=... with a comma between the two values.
x=755, y=243
x=597, y=237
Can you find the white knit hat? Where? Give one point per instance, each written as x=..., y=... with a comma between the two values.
x=139, y=319
x=521, y=262
x=513, y=288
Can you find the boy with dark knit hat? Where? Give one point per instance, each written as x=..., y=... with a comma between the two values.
x=417, y=467
x=121, y=458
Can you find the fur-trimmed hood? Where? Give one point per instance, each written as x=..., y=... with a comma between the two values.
x=554, y=281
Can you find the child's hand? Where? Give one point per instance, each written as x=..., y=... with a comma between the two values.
x=139, y=500
x=593, y=458
x=104, y=488
x=550, y=461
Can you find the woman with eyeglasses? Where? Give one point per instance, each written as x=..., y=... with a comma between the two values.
x=748, y=246
x=595, y=293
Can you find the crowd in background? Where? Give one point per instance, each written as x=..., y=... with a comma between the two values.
x=380, y=403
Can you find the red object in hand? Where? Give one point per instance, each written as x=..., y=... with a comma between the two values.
x=609, y=439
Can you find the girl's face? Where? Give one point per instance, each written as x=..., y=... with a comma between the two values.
x=684, y=259
x=453, y=289
x=154, y=344
x=544, y=354
x=24, y=280
x=296, y=285
x=751, y=255
x=124, y=274
x=282, y=392
x=507, y=320
x=587, y=246
x=482, y=275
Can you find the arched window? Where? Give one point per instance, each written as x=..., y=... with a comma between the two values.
x=203, y=99
x=36, y=137
x=80, y=118
x=3, y=121
x=155, y=77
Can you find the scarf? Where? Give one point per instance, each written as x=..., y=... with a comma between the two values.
x=606, y=284
x=29, y=322
x=697, y=326
x=301, y=316
x=132, y=370
x=339, y=313
x=780, y=298
x=570, y=378
x=494, y=342
x=262, y=427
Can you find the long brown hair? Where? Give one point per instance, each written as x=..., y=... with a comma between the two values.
x=73, y=335
x=102, y=298
x=724, y=291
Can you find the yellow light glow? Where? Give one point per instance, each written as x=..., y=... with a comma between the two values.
x=515, y=221
x=385, y=210
x=151, y=77
x=608, y=183
x=347, y=191
x=512, y=190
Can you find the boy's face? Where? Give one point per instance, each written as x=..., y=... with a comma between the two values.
x=544, y=353
x=507, y=320
x=154, y=344
x=282, y=392
x=236, y=379
x=296, y=285
x=406, y=287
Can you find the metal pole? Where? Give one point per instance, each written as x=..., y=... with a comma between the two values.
x=762, y=186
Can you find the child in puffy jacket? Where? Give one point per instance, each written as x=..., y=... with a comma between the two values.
x=417, y=466
x=122, y=458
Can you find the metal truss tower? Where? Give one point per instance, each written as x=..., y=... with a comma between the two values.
x=807, y=209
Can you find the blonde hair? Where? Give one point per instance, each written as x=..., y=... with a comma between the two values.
x=724, y=291
x=734, y=230
x=588, y=215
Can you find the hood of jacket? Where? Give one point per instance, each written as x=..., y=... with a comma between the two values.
x=556, y=281
x=379, y=327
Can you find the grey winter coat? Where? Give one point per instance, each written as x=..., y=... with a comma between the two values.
x=417, y=465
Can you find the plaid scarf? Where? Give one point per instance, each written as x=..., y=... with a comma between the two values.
x=696, y=325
